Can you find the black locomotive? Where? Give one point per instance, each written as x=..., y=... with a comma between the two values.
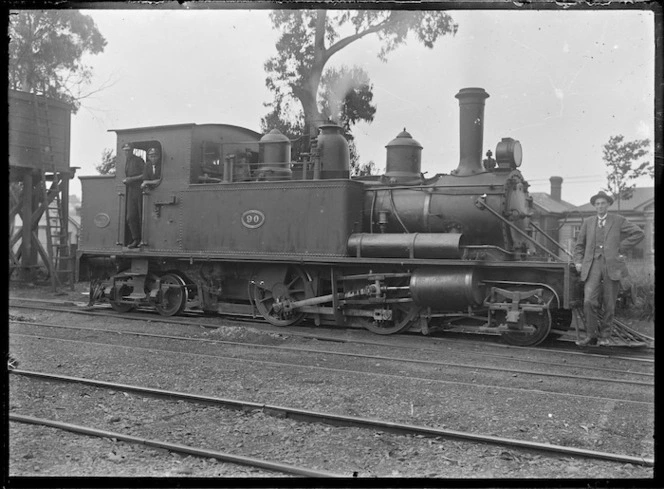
x=234, y=225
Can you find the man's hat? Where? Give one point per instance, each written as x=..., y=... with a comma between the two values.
x=126, y=146
x=603, y=195
x=153, y=151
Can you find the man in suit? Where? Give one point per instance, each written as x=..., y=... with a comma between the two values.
x=134, y=166
x=152, y=172
x=599, y=256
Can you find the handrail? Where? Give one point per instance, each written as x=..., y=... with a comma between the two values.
x=551, y=239
x=144, y=197
x=481, y=204
x=120, y=220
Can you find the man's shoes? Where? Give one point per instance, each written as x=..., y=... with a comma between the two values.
x=587, y=342
x=133, y=244
x=604, y=342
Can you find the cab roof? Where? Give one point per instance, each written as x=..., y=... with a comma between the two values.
x=184, y=126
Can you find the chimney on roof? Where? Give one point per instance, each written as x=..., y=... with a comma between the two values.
x=556, y=188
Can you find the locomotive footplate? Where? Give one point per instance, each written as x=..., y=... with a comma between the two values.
x=509, y=307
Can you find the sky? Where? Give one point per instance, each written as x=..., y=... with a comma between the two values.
x=560, y=82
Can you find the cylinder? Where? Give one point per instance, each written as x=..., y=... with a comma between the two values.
x=471, y=130
x=446, y=289
x=404, y=157
x=333, y=152
x=415, y=245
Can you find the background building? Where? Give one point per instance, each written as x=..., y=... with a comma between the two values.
x=550, y=214
x=562, y=220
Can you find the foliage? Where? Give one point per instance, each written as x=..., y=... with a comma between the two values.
x=363, y=170
x=620, y=156
x=278, y=118
x=292, y=127
x=637, y=301
x=108, y=163
x=309, y=38
x=45, y=52
x=346, y=96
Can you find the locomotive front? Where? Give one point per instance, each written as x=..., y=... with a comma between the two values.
x=485, y=202
x=465, y=237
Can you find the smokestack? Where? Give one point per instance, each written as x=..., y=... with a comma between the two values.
x=471, y=130
x=556, y=188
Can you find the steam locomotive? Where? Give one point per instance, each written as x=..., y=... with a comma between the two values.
x=234, y=225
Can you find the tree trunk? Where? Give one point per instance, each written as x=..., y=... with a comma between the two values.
x=307, y=97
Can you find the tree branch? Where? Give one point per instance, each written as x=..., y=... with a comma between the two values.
x=342, y=43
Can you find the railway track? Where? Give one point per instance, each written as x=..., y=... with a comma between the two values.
x=141, y=345
x=638, y=378
x=644, y=401
x=645, y=355
x=177, y=448
x=302, y=416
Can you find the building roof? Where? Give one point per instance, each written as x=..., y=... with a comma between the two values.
x=548, y=204
x=641, y=198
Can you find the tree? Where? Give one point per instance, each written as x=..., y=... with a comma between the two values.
x=108, y=163
x=620, y=156
x=362, y=170
x=309, y=38
x=288, y=122
x=45, y=51
x=346, y=96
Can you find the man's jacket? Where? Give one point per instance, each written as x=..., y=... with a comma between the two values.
x=620, y=236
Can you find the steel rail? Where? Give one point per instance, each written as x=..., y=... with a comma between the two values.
x=281, y=330
x=372, y=357
x=341, y=420
x=362, y=372
x=174, y=447
x=100, y=311
x=97, y=310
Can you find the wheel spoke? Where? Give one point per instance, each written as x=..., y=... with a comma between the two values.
x=116, y=298
x=265, y=297
x=403, y=315
x=292, y=282
x=173, y=297
x=542, y=325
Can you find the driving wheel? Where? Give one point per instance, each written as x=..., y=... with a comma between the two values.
x=403, y=315
x=173, y=295
x=539, y=325
x=270, y=289
x=123, y=291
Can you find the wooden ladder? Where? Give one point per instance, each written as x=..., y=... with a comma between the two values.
x=60, y=259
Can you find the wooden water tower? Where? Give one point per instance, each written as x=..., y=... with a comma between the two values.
x=39, y=138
